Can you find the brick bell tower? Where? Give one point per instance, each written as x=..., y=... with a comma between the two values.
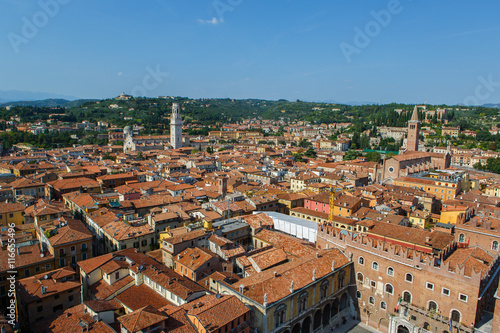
x=413, y=131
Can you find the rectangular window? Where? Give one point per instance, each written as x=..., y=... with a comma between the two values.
x=117, y=275
x=430, y=286
x=462, y=297
x=373, y=284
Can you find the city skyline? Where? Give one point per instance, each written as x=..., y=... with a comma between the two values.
x=391, y=51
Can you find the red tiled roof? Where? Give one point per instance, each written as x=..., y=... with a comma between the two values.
x=142, y=318
x=137, y=297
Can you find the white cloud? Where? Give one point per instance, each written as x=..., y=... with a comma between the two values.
x=120, y=73
x=213, y=21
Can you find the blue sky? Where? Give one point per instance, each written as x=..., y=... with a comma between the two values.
x=434, y=51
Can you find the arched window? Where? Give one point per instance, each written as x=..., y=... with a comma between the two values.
x=390, y=271
x=455, y=316
x=323, y=291
x=375, y=266
x=461, y=238
x=383, y=305
x=303, y=301
x=427, y=326
x=360, y=277
x=494, y=246
x=407, y=297
x=280, y=315
x=408, y=277
x=361, y=260
x=341, y=280
x=389, y=289
x=372, y=300
x=358, y=294
x=433, y=306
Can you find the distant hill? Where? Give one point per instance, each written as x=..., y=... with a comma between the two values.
x=492, y=105
x=51, y=102
x=21, y=95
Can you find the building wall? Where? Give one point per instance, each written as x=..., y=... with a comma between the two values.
x=479, y=237
x=373, y=282
x=33, y=312
x=23, y=272
x=264, y=317
x=11, y=217
x=317, y=206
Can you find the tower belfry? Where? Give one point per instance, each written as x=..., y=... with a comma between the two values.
x=413, y=131
x=176, y=127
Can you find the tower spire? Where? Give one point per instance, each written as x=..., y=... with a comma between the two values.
x=413, y=131
x=414, y=116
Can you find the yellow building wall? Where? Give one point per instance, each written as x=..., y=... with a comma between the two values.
x=11, y=217
x=450, y=216
x=417, y=221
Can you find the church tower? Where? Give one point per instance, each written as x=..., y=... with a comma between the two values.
x=413, y=131
x=176, y=127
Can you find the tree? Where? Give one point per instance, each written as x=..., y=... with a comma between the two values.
x=351, y=155
x=107, y=156
x=483, y=135
x=364, y=142
x=139, y=156
x=210, y=150
x=310, y=152
x=304, y=143
x=373, y=156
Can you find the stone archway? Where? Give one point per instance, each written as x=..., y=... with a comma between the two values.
x=296, y=328
x=306, y=325
x=335, y=307
x=317, y=320
x=343, y=302
x=383, y=322
x=402, y=329
x=326, y=315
